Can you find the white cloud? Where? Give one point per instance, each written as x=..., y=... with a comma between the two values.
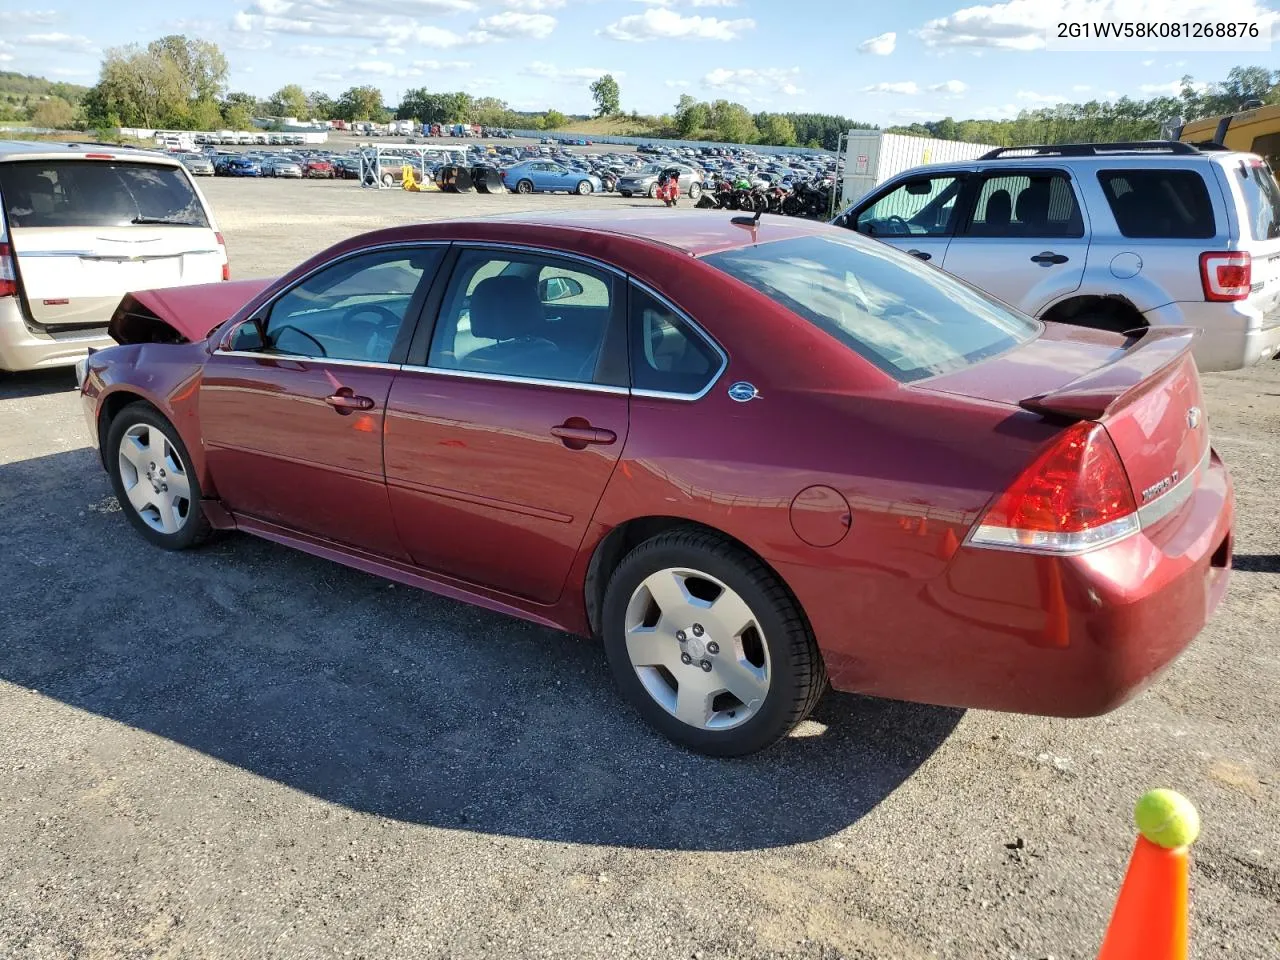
x=380, y=67
x=1023, y=24
x=881, y=45
x=71, y=43
x=511, y=24
x=329, y=76
x=713, y=3
x=752, y=82
x=1081, y=88
x=661, y=24
x=5, y=57
x=906, y=87
x=535, y=5
x=1030, y=96
x=677, y=84
x=33, y=16
x=1148, y=63
x=71, y=72
x=442, y=64
x=1171, y=89
x=575, y=75
x=952, y=88
x=311, y=50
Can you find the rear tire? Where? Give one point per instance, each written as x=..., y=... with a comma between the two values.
x=695, y=191
x=584, y=188
x=153, y=479
x=388, y=180
x=653, y=191
x=524, y=186
x=625, y=193
x=772, y=663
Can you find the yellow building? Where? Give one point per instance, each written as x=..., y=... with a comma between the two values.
x=1256, y=130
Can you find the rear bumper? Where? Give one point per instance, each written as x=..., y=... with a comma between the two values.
x=1054, y=636
x=1235, y=335
x=21, y=349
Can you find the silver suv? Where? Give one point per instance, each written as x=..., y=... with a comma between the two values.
x=1114, y=236
x=81, y=225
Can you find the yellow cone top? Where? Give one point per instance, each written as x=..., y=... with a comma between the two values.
x=1167, y=819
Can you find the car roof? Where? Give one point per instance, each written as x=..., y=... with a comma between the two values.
x=696, y=232
x=53, y=150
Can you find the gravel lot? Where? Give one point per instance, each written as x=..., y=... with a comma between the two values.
x=247, y=752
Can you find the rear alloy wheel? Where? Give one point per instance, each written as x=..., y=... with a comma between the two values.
x=150, y=472
x=695, y=191
x=708, y=645
x=388, y=180
x=653, y=191
x=584, y=188
x=524, y=186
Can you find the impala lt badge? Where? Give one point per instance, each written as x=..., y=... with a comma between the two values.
x=1160, y=487
x=1193, y=417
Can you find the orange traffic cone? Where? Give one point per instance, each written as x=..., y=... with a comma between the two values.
x=1150, y=919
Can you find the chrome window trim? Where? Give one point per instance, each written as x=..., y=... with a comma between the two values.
x=524, y=381
x=699, y=332
x=297, y=357
x=536, y=249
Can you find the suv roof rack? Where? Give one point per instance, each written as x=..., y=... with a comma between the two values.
x=1089, y=149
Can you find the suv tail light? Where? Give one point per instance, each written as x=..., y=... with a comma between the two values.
x=1226, y=276
x=8, y=274
x=1074, y=497
x=226, y=261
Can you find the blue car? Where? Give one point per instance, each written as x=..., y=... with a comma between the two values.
x=238, y=167
x=546, y=176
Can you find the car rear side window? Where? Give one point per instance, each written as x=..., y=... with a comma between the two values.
x=98, y=193
x=1261, y=199
x=667, y=355
x=909, y=319
x=1026, y=205
x=1159, y=204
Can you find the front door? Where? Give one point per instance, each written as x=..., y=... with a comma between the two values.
x=1024, y=241
x=292, y=409
x=916, y=216
x=500, y=439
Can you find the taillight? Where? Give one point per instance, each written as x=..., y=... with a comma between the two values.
x=1075, y=496
x=8, y=274
x=226, y=262
x=1226, y=276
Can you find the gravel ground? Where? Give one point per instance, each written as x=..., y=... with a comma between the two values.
x=246, y=752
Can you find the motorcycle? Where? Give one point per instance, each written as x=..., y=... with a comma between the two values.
x=669, y=186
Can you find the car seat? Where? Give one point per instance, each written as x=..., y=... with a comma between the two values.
x=507, y=309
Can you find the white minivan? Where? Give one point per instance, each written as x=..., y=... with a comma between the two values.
x=81, y=225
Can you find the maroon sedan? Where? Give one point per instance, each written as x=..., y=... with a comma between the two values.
x=318, y=168
x=749, y=457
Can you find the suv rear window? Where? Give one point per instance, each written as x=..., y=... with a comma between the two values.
x=909, y=319
x=1261, y=199
x=97, y=193
x=1159, y=204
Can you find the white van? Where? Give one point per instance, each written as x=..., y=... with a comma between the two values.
x=82, y=225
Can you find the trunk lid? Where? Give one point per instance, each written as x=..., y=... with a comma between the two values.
x=1145, y=391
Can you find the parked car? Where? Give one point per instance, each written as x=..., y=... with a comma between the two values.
x=197, y=164
x=347, y=168
x=281, y=167
x=659, y=470
x=1113, y=236
x=545, y=176
x=644, y=182
x=237, y=166
x=80, y=226
x=318, y=168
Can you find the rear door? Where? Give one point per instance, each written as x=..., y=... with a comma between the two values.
x=1024, y=239
x=918, y=215
x=1259, y=200
x=85, y=232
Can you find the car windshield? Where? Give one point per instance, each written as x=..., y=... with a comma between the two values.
x=909, y=319
x=97, y=193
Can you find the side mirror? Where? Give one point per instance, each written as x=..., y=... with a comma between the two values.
x=558, y=288
x=250, y=335
x=841, y=221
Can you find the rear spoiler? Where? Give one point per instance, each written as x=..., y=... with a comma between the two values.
x=1090, y=397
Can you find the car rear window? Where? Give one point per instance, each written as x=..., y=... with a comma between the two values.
x=909, y=319
x=1159, y=204
x=1261, y=199
x=97, y=193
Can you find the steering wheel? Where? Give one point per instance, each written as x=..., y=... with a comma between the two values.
x=355, y=331
x=898, y=221
x=302, y=333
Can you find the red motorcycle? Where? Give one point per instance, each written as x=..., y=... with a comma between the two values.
x=669, y=186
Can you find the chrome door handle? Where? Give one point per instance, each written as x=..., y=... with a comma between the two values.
x=920, y=254
x=344, y=401
x=1049, y=257
x=576, y=436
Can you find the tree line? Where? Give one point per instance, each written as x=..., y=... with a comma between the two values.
x=179, y=83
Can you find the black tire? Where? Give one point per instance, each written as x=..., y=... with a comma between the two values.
x=695, y=192
x=388, y=180
x=798, y=674
x=625, y=193
x=195, y=528
x=653, y=191
x=524, y=186
x=585, y=189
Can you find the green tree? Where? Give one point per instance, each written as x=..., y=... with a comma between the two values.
x=201, y=65
x=691, y=117
x=491, y=112
x=776, y=129
x=361, y=103
x=53, y=113
x=733, y=122
x=607, y=96
x=426, y=107
x=553, y=120
x=143, y=88
x=238, y=110
x=205, y=115
x=321, y=106
x=289, y=101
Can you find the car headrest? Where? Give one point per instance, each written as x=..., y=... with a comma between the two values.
x=1033, y=203
x=999, y=209
x=504, y=308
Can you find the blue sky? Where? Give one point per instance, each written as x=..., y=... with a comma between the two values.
x=875, y=61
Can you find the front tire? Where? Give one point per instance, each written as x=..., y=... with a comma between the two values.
x=709, y=645
x=625, y=193
x=653, y=191
x=695, y=192
x=153, y=479
x=584, y=188
x=524, y=186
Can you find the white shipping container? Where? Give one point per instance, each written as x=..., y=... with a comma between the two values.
x=872, y=157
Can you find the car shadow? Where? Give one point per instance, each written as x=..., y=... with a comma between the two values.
x=1256, y=562
x=36, y=383
x=393, y=701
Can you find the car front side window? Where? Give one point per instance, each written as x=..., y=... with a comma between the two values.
x=922, y=207
x=351, y=310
